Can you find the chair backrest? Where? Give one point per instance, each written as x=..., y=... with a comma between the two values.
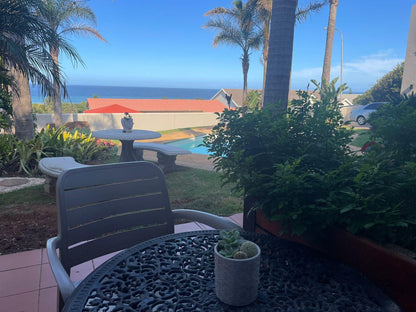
x=105, y=208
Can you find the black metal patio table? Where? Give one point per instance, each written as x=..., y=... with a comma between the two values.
x=176, y=273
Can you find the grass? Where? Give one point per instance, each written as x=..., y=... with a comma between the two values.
x=201, y=190
x=188, y=188
x=28, y=217
x=22, y=201
x=362, y=138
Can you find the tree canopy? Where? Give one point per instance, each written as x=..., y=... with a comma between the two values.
x=387, y=89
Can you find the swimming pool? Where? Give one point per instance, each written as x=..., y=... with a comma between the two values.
x=192, y=145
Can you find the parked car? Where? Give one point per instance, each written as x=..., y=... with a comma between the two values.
x=361, y=114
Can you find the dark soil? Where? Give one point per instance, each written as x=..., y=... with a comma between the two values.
x=21, y=231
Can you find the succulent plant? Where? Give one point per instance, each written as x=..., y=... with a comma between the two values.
x=232, y=245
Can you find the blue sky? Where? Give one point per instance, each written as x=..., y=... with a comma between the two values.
x=162, y=44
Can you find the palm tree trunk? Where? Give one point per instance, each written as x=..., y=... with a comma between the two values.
x=246, y=64
x=279, y=63
x=22, y=107
x=326, y=72
x=56, y=97
x=265, y=52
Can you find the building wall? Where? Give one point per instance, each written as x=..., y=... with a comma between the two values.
x=409, y=73
x=145, y=121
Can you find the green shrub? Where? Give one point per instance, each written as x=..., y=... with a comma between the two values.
x=299, y=168
x=387, y=89
x=9, y=159
x=6, y=111
x=394, y=126
x=282, y=159
x=22, y=157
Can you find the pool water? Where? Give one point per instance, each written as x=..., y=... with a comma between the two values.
x=192, y=145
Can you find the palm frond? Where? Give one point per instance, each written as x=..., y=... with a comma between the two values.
x=303, y=12
x=83, y=29
x=23, y=39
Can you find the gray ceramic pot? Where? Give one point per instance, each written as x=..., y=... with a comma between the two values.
x=236, y=280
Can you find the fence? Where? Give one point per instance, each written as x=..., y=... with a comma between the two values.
x=146, y=121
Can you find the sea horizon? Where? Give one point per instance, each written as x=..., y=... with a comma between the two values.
x=80, y=93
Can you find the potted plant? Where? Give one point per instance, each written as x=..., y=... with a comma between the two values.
x=237, y=263
x=127, y=122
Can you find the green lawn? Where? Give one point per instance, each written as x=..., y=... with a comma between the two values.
x=362, y=138
x=188, y=188
x=202, y=190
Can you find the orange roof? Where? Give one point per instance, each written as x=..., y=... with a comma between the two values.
x=115, y=108
x=159, y=105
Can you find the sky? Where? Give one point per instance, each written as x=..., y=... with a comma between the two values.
x=163, y=44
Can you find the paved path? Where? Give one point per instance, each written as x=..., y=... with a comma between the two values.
x=13, y=184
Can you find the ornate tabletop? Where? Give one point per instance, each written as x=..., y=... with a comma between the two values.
x=176, y=273
x=127, y=139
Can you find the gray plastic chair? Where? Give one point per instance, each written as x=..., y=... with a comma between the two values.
x=106, y=208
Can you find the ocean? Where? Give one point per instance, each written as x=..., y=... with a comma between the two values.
x=79, y=94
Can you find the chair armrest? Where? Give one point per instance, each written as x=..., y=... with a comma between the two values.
x=65, y=285
x=205, y=218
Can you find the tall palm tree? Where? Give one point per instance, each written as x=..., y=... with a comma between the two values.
x=326, y=72
x=264, y=14
x=67, y=17
x=24, y=55
x=280, y=53
x=236, y=27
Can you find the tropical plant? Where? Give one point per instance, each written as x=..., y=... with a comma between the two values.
x=9, y=159
x=64, y=18
x=326, y=71
x=236, y=26
x=298, y=167
x=387, y=89
x=22, y=157
x=283, y=159
x=23, y=37
x=393, y=126
x=254, y=100
x=6, y=110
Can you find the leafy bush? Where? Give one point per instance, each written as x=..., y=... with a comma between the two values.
x=9, y=159
x=394, y=126
x=254, y=99
x=6, y=110
x=281, y=158
x=20, y=157
x=387, y=89
x=300, y=170
x=378, y=199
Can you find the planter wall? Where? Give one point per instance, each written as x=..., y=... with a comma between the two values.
x=393, y=272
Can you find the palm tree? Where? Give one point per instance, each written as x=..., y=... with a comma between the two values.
x=236, y=27
x=24, y=56
x=280, y=53
x=329, y=41
x=264, y=14
x=67, y=17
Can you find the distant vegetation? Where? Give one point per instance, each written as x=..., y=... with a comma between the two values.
x=387, y=89
x=67, y=108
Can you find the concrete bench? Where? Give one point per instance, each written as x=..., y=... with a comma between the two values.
x=166, y=154
x=52, y=167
